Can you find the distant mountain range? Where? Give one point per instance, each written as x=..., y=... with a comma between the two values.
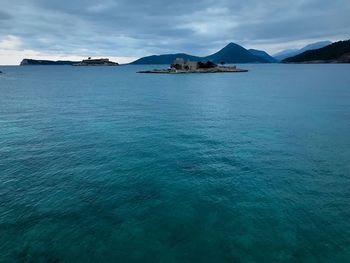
x=338, y=52
x=232, y=53
x=293, y=52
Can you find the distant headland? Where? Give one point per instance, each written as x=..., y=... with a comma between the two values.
x=34, y=62
x=338, y=52
x=85, y=62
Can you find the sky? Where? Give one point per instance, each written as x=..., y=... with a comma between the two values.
x=124, y=30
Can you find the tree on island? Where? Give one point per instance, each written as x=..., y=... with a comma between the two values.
x=176, y=66
x=207, y=64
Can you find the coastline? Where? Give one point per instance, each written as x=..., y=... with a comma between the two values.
x=219, y=69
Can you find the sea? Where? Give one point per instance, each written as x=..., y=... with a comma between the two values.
x=104, y=164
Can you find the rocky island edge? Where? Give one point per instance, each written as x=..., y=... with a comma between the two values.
x=181, y=66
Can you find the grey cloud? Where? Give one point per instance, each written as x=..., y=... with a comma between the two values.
x=135, y=28
x=4, y=16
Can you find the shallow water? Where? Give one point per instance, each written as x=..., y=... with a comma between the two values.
x=106, y=165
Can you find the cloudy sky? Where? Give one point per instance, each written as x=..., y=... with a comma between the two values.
x=128, y=29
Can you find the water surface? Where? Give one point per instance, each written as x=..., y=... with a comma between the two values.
x=105, y=165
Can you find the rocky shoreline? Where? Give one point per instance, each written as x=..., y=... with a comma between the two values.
x=210, y=70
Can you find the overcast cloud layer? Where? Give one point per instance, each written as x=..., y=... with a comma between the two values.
x=127, y=29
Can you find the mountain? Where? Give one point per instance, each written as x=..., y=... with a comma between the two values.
x=285, y=54
x=316, y=45
x=165, y=59
x=338, y=52
x=33, y=62
x=263, y=54
x=232, y=53
x=293, y=52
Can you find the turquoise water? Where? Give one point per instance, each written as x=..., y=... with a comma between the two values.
x=106, y=165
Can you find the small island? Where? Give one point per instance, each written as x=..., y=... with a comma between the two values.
x=180, y=66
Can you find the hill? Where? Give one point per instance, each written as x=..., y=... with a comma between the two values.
x=232, y=53
x=164, y=59
x=293, y=52
x=263, y=54
x=338, y=52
